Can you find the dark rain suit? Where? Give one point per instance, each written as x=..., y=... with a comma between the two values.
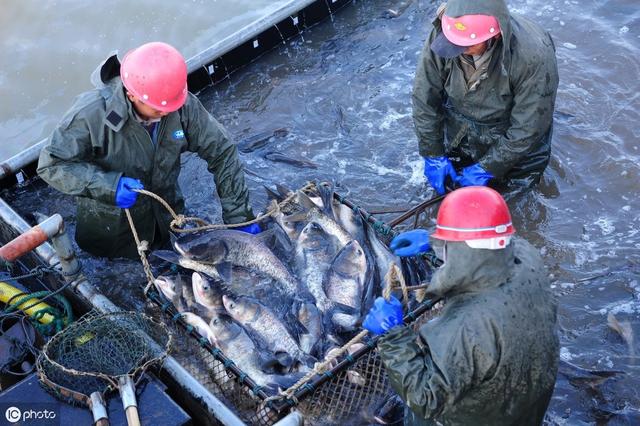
x=99, y=140
x=504, y=122
x=491, y=356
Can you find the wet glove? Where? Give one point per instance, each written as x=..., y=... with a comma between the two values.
x=254, y=229
x=474, y=175
x=125, y=196
x=436, y=169
x=383, y=316
x=411, y=243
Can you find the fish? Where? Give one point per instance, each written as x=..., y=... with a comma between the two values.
x=207, y=293
x=173, y=257
x=623, y=329
x=311, y=319
x=313, y=255
x=279, y=157
x=177, y=290
x=264, y=323
x=578, y=376
x=234, y=342
x=199, y=325
x=218, y=246
x=260, y=140
x=340, y=236
x=344, y=285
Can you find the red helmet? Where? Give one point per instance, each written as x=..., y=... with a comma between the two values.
x=477, y=215
x=468, y=30
x=156, y=73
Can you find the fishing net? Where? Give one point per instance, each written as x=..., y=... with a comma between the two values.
x=93, y=352
x=350, y=390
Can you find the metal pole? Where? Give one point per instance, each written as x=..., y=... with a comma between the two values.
x=21, y=160
x=101, y=303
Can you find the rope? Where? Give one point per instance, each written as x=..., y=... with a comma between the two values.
x=142, y=247
x=394, y=279
x=60, y=319
x=180, y=220
x=394, y=276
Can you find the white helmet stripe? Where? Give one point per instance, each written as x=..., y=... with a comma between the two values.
x=500, y=229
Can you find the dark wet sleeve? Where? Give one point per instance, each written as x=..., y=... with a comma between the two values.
x=428, y=114
x=412, y=373
x=65, y=163
x=210, y=141
x=432, y=373
x=531, y=117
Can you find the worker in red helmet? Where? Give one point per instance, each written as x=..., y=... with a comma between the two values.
x=128, y=134
x=483, y=97
x=491, y=356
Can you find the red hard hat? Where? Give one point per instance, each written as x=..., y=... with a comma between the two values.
x=156, y=73
x=468, y=30
x=474, y=213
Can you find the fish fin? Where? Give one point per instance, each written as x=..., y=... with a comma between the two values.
x=305, y=201
x=281, y=239
x=173, y=238
x=268, y=362
x=284, y=359
x=271, y=194
x=168, y=255
x=283, y=190
x=225, y=270
x=325, y=190
x=282, y=383
x=266, y=236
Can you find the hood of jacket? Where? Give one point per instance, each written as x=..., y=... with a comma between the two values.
x=495, y=8
x=468, y=270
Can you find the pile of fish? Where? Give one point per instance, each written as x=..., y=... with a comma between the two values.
x=277, y=302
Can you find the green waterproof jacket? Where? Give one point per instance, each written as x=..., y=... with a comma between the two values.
x=99, y=140
x=505, y=122
x=491, y=356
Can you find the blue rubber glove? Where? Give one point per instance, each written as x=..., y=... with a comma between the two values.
x=411, y=243
x=474, y=175
x=383, y=315
x=125, y=197
x=436, y=169
x=254, y=229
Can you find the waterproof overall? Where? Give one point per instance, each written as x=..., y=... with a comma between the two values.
x=99, y=140
x=504, y=122
x=491, y=356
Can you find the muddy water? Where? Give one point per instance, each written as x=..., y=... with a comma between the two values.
x=50, y=48
x=343, y=93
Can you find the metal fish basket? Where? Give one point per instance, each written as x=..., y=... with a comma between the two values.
x=328, y=398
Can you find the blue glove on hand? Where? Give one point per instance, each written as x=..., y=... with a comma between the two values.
x=474, y=175
x=125, y=196
x=383, y=315
x=436, y=169
x=411, y=243
x=254, y=229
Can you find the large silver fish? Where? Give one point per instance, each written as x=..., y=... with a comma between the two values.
x=313, y=255
x=234, y=342
x=344, y=285
x=265, y=324
x=237, y=248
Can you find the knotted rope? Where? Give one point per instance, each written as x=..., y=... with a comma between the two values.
x=180, y=220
